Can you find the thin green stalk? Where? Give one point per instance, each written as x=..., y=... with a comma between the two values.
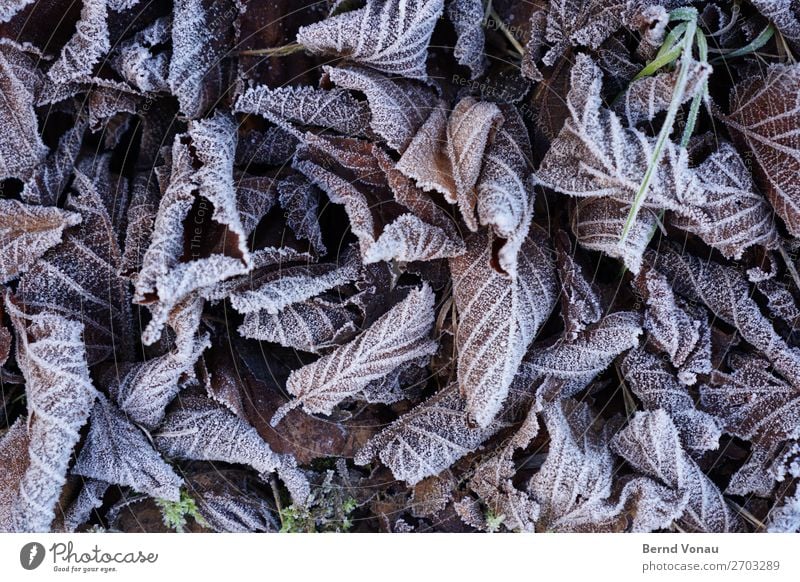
x=694, y=110
x=277, y=51
x=666, y=129
x=750, y=47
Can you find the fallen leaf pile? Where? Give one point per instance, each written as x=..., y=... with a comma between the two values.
x=400, y=265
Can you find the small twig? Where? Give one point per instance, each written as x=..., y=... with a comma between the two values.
x=277, y=495
x=789, y=264
x=278, y=51
x=505, y=30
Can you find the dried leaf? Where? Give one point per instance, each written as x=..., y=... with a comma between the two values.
x=117, y=452
x=27, y=232
x=764, y=118
x=229, y=505
x=785, y=15
x=578, y=23
x=399, y=336
x=467, y=18
x=205, y=431
x=80, y=511
x=11, y=8
x=595, y=156
x=88, y=45
x=312, y=325
x=336, y=109
x=740, y=217
x=202, y=32
x=580, y=305
x=725, y=291
x=390, y=36
x=650, y=443
x=577, y=362
x=21, y=147
x=505, y=191
x=498, y=318
x=52, y=175
x=300, y=199
x=141, y=217
x=398, y=107
x=52, y=357
x=79, y=278
x=139, y=60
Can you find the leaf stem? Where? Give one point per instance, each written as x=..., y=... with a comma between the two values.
x=277, y=51
x=666, y=128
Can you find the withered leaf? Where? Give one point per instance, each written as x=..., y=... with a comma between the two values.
x=52, y=357
x=398, y=107
x=80, y=277
x=228, y=503
x=656, y=386
x=86, y=47
x=577, y=362
x=90, y=497
x=139, y=60
x=335, y=109
x=21, y=146
x=436, y=433
x=201, y=429
x=468, y=20
x=765, y=118
x=498, y=318
x=300, y=199
x=651, y=444
x=580, y=305
x=11, y=8
x=505, y=191
x=595, y=156
x=580, y=23
x=390, y=36
x=785, y=15
x=202, y=31
x=739, y=216
x=399, y=336
x=27, y=232
x=311, y=325
x=116, y=451
x=53, y=173
x=726, y=293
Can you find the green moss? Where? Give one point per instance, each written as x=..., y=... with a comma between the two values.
x=174, y=513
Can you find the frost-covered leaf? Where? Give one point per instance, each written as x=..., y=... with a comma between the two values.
x=79, y=278
x=580, y=23
x=580, y=305
x=272, y=147
x=577, y=362
x=11, y=8
x=468, y=20
x=335, y=109
x=27, y=232
x=53, y=173
x=597, y=224
x=14, y=460
x=765, y=118
x=255, y=196
x=505, y=191
x=139, y=60
x=595, y=156
x=725, y=291
x=391, y=36
x=143, y=390
x=80, y=511
x=198, y=239
x=230, y=505
x=656, y=386
x=59, y=391
x=651, y=444
x=203, y=430
x=295, y=284
x=574, y=485
x=397, y=107
x=426, y=158
x=88, y=45
x=436, y=433
x=498, y=318
x=117, y=452
x=740, y=217
x=785, y=15
x=470, y=130
x=399, y=336
x=670, y=328
x=786, y=518
x=647, y=97
x=202, y=34
x=753, y=403
x=141, y=216
x=21, y=146
x=300, y=199
x=310, y=326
